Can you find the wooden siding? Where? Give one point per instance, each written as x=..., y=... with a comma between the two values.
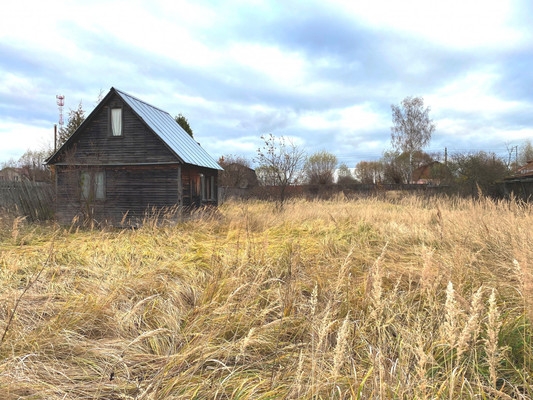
x=137, y=145
x=131, y=191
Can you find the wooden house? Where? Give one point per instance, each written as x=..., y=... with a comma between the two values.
x=526, y=171
x=129, y=158
x=519, y=184
x=12, y=174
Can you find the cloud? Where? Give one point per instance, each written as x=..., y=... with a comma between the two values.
x=324, y=73
x=455, y=23
x=38, y=136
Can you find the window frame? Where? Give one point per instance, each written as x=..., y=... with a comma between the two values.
x=203, y=187
x=207, y=187
x=111, y=120
x=92, y=185
x=213, y=191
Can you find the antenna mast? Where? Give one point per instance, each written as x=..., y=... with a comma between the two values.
x=60, y=99
x=60, y=102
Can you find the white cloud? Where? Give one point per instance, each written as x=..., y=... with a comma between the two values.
x=354, y=118
x=277, y=66
x=455, y=23
x=242, y=145
x=472, y=93
x=224, y=67
x=19, y=137
x=14, y=84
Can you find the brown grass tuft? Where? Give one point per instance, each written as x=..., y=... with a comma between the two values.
x=367, y=298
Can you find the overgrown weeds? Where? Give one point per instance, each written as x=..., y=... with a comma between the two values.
x=420, y=298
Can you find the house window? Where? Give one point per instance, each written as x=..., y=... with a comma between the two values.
x=208, y=187
x=202, y=186
x=92, y=185
x=116, y=121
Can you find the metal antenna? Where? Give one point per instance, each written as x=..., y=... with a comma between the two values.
x=60, y=102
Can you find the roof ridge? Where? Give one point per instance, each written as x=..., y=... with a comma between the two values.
x=141, y=101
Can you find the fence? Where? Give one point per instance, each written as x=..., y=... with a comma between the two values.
x=31, y=199
x=519, y=188
x=329, y=191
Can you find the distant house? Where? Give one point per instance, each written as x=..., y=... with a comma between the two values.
x=12, y=174
x=129, y=158
x=519, y=184
x=524, y=172
x=433, y=173
x=238, y=176
x=237, y=180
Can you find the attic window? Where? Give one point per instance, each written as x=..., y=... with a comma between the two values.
x=116, y=121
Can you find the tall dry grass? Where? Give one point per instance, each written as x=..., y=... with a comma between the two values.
x=416, y=298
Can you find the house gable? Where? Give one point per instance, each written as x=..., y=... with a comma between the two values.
x=149, y=136
x=94, y=144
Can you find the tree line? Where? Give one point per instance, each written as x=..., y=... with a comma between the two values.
x=280, y=162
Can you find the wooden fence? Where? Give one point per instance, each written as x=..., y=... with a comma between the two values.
x=34, y=200
x=518, y=188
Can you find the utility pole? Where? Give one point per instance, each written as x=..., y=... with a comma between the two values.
x=55, y=138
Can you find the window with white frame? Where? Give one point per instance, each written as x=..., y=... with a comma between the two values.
x=116, y=121
x=92, y=185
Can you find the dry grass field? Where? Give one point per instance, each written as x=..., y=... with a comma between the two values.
x=373, y=299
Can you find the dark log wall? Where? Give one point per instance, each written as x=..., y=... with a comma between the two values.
x=68, y=205
x=131, y=192
x=140, y=190
x=137, y=144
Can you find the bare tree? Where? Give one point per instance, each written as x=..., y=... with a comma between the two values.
x=369, y=172
x=525, y=153
x=396, y=167
x=412, y=128
x=266, y=176
x=320, y=167
x=345, y=176
x=477, y=171
x=32, y=164
x=283, y=160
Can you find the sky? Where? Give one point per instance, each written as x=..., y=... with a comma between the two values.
x=323, y=74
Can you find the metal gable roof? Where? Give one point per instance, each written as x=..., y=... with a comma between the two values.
x=166, y=127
